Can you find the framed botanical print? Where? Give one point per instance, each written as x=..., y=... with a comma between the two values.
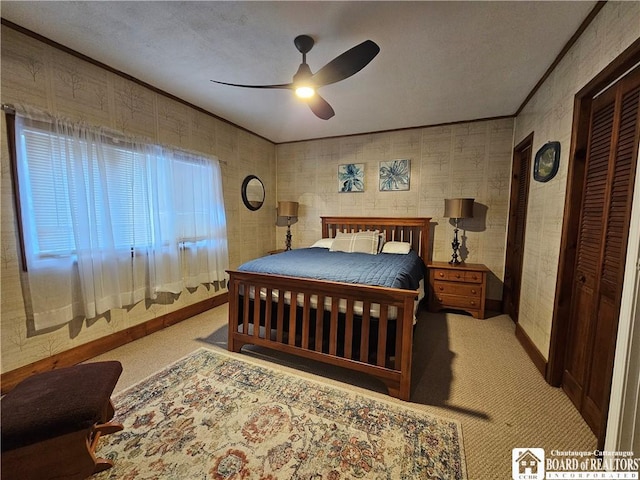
x=395, y=175
x=351, y=177
x=547, y=161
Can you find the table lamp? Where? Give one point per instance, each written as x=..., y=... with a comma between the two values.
x=290, y=211
x=457, y=208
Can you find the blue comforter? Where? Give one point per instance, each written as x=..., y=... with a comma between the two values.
x=384, y=269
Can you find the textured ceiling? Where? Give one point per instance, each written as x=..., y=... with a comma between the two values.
x=439, y=62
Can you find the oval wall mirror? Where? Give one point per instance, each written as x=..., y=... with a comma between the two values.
x=252, y=192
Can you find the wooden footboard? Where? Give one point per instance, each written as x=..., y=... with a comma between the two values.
x=364, y=328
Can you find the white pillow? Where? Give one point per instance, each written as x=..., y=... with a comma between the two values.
x=360, y=242
x=396, y=247
x=323, y=243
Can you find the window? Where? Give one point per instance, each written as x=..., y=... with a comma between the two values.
x=116, y=219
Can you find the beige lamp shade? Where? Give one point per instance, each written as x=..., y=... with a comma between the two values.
x=458, y=207
x=287, y=209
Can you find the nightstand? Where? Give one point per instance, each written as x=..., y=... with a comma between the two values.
x=459, y=287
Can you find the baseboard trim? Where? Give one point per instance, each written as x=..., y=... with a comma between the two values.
x=534, y=354
x=81, y=353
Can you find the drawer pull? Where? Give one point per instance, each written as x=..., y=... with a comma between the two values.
x=473, y=290
x=441, y=288
x=441, y=274
x=457, y=275
x=473, y=302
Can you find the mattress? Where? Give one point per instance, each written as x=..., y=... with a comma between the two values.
x=404, y=271
x=342, y=306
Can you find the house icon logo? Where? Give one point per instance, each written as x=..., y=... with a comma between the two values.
x=527, y=463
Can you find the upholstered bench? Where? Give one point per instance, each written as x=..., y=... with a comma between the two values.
x=51, y=422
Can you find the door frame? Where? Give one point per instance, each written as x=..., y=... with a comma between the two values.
x=516, y=182
x=572, y=207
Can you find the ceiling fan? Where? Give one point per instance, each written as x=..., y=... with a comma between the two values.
x=305, y=83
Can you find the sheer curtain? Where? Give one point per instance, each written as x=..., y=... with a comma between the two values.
x=201, y=228
x=108, y=222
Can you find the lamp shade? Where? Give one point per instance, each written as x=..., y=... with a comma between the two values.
x=287, y=209
x=458, y=207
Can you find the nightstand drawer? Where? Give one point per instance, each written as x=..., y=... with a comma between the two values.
x=457, y=301
x=451, y=288
x=458, y=275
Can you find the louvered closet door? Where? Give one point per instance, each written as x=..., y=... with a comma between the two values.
x=601, y=249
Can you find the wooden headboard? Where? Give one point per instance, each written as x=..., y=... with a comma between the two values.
x=414, y=230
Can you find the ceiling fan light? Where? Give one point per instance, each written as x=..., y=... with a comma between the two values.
x=305, y=91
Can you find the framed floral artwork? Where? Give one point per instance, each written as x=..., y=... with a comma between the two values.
x=351, y=177
x=395, y=175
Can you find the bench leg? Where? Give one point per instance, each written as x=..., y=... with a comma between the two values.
x=102, y=464
x=107, y=428
x=100, y=429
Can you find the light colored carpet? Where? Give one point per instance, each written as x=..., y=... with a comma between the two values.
x=469, y=370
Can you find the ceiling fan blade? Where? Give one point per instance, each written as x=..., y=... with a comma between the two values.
x=282, y=85
x=347, y=64
x=320, y=107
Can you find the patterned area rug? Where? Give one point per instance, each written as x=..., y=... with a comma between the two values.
x=213, y=416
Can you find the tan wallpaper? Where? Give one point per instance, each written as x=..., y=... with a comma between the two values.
x=549, y=116
x=39, y=75
x=465, y=160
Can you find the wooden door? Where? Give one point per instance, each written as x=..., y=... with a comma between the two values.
x=520, y=173
x=601, y=249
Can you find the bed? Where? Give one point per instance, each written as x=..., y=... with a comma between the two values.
x=367, y=328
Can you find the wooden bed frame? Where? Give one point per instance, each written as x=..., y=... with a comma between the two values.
x=381, y=347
